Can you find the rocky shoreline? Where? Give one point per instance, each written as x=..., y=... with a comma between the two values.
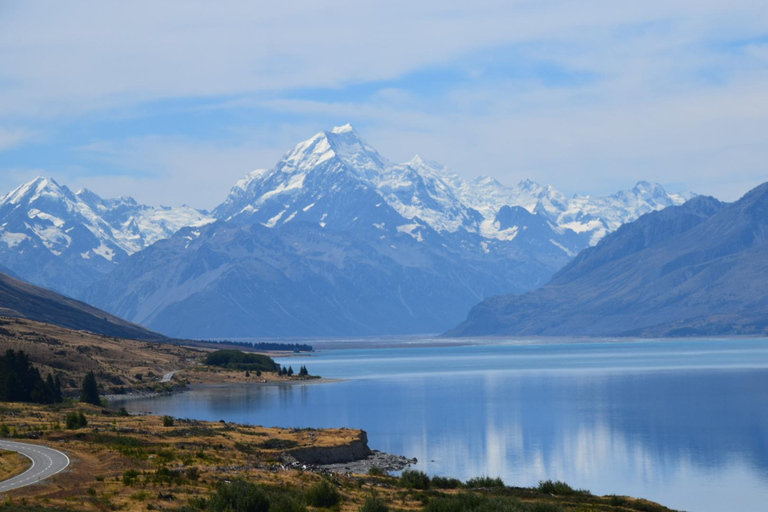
x=385, y=461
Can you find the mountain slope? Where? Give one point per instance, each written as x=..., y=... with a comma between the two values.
x=700, y=268
x=337, y=240
x=63, y=240
x=24, y=300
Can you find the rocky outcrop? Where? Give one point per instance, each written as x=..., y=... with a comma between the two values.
x=317, y=455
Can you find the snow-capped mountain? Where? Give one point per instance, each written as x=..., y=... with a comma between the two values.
x=63, y=240
x=337, y=240
x=427, y=191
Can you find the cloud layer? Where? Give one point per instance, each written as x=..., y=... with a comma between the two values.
x=172, y=101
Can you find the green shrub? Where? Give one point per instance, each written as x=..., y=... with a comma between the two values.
x=440, y=482
x=130, y=477
x=285, y=501
x=464, y=502
x=376, y=471
x=193, y=474
x=373, y=504
x=323, y=494
x=75, y=420
x=558, y=488
x=484, y=482
x=413, y=479
x=167, y=421
x=140, y=496
x=468, y=502
x=238, y=496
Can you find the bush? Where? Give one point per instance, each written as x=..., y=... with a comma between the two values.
x=376, y=471
x=285, y=501
x=75, y=420
x=123, y=412
x=167, y=421
x=373, y=504
x=484, y=482
x=130, y=477
x=446, y=483
x=323, y=494
x=413, y=479
x=467, y=502
x=558, y=488
x=238, y=496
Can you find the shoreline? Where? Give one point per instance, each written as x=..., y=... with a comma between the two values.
x=139, y=395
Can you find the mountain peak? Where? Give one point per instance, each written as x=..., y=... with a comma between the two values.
x=416, y=160
x=33, y=189
x=347, y=128
x=529, y=185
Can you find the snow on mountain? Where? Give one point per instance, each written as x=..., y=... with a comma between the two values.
x=426, y=191
x=64, y=240
x=337, y=240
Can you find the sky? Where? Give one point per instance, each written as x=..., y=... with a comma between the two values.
x=171, y=102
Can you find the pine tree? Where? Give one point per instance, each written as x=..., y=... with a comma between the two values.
x=90, y=390
x=290, y=371
x=58, y=396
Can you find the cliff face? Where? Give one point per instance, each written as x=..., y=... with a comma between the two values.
x=356, y=449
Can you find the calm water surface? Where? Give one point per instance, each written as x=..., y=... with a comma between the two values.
x=684, y=423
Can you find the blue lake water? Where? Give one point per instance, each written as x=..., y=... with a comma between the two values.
x=684, y=423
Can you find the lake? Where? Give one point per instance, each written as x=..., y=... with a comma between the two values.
x=684, y=423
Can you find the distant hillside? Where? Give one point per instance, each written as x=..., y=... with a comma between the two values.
x=696, y=269
x=120, y=364
x=23, y=300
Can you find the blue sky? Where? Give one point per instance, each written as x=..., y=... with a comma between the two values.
x=171, y=102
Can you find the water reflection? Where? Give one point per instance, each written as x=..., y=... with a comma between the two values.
x=685, y=437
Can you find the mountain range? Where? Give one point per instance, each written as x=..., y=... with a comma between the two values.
x=333, y=240
x=66, y=240
x=695, y=269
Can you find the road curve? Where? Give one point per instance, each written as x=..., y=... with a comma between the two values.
x=46, y=462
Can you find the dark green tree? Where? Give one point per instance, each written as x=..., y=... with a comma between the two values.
x=58, y=395
x=21, y=382
x=290, y=371
x=90, y=390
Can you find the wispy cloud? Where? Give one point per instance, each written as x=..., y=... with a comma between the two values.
x=585, y=95
x=12, y=137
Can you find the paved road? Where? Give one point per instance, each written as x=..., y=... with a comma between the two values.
x=168, y=376
x=46, y=462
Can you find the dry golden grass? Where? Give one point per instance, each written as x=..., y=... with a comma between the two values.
x=12, y=464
